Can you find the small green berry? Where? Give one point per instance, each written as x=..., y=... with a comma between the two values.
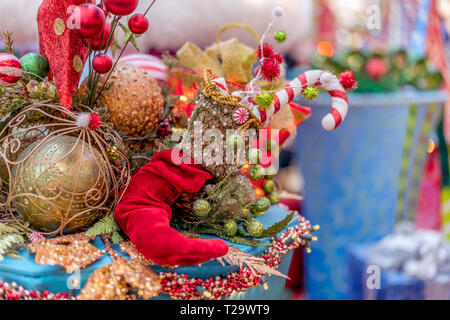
x=230, y=228
x=254, y=227
x=268, y=185
x=244, y=213
x=256, y=172
x=271, y=172
x=201, y=208
x=269, y=144
x=274, y=198
x=310, y=93
x=254, y=156
x=262, y=204
x=280, y=36
x=264, y=100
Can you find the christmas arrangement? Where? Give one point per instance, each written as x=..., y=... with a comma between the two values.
x=379, y=72
x=160, y=162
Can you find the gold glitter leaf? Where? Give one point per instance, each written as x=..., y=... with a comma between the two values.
x=257, y=265
x=72, y=252
x=119, y=280
x=129, y=248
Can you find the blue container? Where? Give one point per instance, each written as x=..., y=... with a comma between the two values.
x=355, y=175
x=33, y=276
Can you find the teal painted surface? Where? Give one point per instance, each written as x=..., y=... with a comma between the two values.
x=54, y=278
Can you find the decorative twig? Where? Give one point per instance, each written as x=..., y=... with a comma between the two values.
x=120, y=55
x=9, y=41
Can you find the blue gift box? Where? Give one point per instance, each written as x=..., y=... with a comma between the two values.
x=393, y=285
x=33, y=276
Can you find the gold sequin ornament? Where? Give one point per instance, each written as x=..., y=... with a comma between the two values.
x=134, y=101
x=60, y=184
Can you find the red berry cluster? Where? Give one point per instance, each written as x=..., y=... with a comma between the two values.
x=12, y=291
x=89, y=21
x=164, y=128
x=270, y=62
x=181, y=287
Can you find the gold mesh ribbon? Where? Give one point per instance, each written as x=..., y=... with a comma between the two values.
x=211, y=92
x=229, y=59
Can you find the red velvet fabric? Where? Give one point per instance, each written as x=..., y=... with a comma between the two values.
x=144, y=212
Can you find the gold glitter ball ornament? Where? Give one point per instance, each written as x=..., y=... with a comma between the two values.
x=134, y=100
x=60, y=183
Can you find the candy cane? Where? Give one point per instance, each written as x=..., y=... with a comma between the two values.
x=323, y=79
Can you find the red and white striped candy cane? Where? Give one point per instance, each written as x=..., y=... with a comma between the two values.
x=36, y=236
x=323, y=79
x=153, y=65
x=10, y=70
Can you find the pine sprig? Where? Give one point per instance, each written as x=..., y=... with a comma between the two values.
x=12, y=236
x=106, y=225
x=9, y=41
x=277, y=227
x=9, y=242
x=6, y=229
x=116, y=237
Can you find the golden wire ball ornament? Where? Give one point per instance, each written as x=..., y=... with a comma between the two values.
x=67, y=177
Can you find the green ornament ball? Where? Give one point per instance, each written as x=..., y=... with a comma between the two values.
x=264, y=100
x=256, y=172
x=35, y=65
x=280, y=36
x=261, y=204
x=254, y=156
x=310, y=93
x=268, y=186
x=201, y=208
x=234, y=141
x=274, y=198
x=254, y=227
x=230, y=228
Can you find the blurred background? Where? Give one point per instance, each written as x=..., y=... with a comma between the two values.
x=379, y=185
